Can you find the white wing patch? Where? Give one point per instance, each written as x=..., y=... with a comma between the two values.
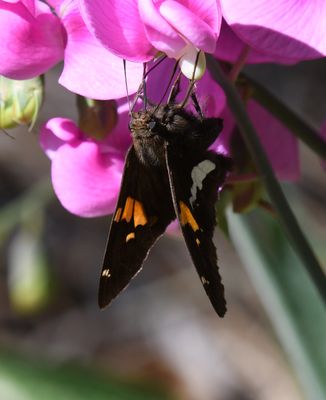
x=198, y=174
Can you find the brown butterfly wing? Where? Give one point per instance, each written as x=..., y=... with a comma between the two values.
x=143, y=212
x=195, y=209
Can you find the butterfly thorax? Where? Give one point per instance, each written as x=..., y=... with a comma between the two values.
x=156, y=127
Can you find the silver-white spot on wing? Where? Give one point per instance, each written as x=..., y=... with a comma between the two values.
x=198, y=174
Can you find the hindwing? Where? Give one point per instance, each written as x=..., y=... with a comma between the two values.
x=194, y=181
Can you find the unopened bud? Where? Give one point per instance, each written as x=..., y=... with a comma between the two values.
x=96, y=117
x=20, y=101
x=193, y=63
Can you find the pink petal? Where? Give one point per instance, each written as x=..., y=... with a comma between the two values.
x=32, y=39
x=282, y=28
x=230, y=47
x=279, y=143
x=89, y=68
x=117, y=24
x=190, y=25
x=208, y=11
x=210, y=95
x=161, y=35
x=120, y=138
x=56, y=132
x=86, y=181
x=56, y=4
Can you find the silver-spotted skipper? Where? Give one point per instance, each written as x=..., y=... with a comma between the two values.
x=169, y=172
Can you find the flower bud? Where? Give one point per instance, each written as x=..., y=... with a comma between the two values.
x=193, y=63
x=96, y=117
x=28, y=273
x=20, y=101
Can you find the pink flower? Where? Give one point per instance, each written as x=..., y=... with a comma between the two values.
x=138, y=29
x=287, y=30
x=33, y=40
x=230, y=48
x=280, y=145
x=86, y=173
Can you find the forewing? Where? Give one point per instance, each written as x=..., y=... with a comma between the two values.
x=143, y=212
x=194, y=182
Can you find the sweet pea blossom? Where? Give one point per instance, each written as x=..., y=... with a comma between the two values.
x=287, y=30
x=149, y=26
x=33, y=40
x=280, y=145
x=86, y=173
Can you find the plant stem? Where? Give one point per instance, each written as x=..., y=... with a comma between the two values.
x=298, y=126
x=286, y=217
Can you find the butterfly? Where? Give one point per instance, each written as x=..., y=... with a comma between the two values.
x=169, y=173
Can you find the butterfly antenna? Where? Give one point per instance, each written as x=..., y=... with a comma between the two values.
x=168, y=85
x=191, y=84
x=160, y=59
x=144, y=86
x=126, y=83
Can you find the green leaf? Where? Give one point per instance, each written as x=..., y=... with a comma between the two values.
x=288, y=294
x=23, y=379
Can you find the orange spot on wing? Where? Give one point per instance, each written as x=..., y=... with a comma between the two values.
x=118, y=215
x=139, y=214
x=198, y=242
x=128, y=210
x=186, y=217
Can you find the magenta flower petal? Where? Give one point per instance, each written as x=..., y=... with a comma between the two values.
x=56, y=132
x=85, y=180
x=89, y=68
x=161, y=35
x=210, y=95
x=117, y=24
x=32, y=39
x=190, y=22
x=86, y=173
x=280, y=144
x=120, y=138
x=282, y=28
x=230, y=47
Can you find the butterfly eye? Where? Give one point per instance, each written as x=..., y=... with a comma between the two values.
x=151, y=125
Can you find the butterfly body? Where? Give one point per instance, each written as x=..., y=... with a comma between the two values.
x=169, y=172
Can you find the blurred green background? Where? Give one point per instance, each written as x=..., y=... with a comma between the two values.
x=161, y=338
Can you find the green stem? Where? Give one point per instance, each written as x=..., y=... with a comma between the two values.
x=294, y=122
x=286, y=217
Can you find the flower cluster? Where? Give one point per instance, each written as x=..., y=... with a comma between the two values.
x=92, y=37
